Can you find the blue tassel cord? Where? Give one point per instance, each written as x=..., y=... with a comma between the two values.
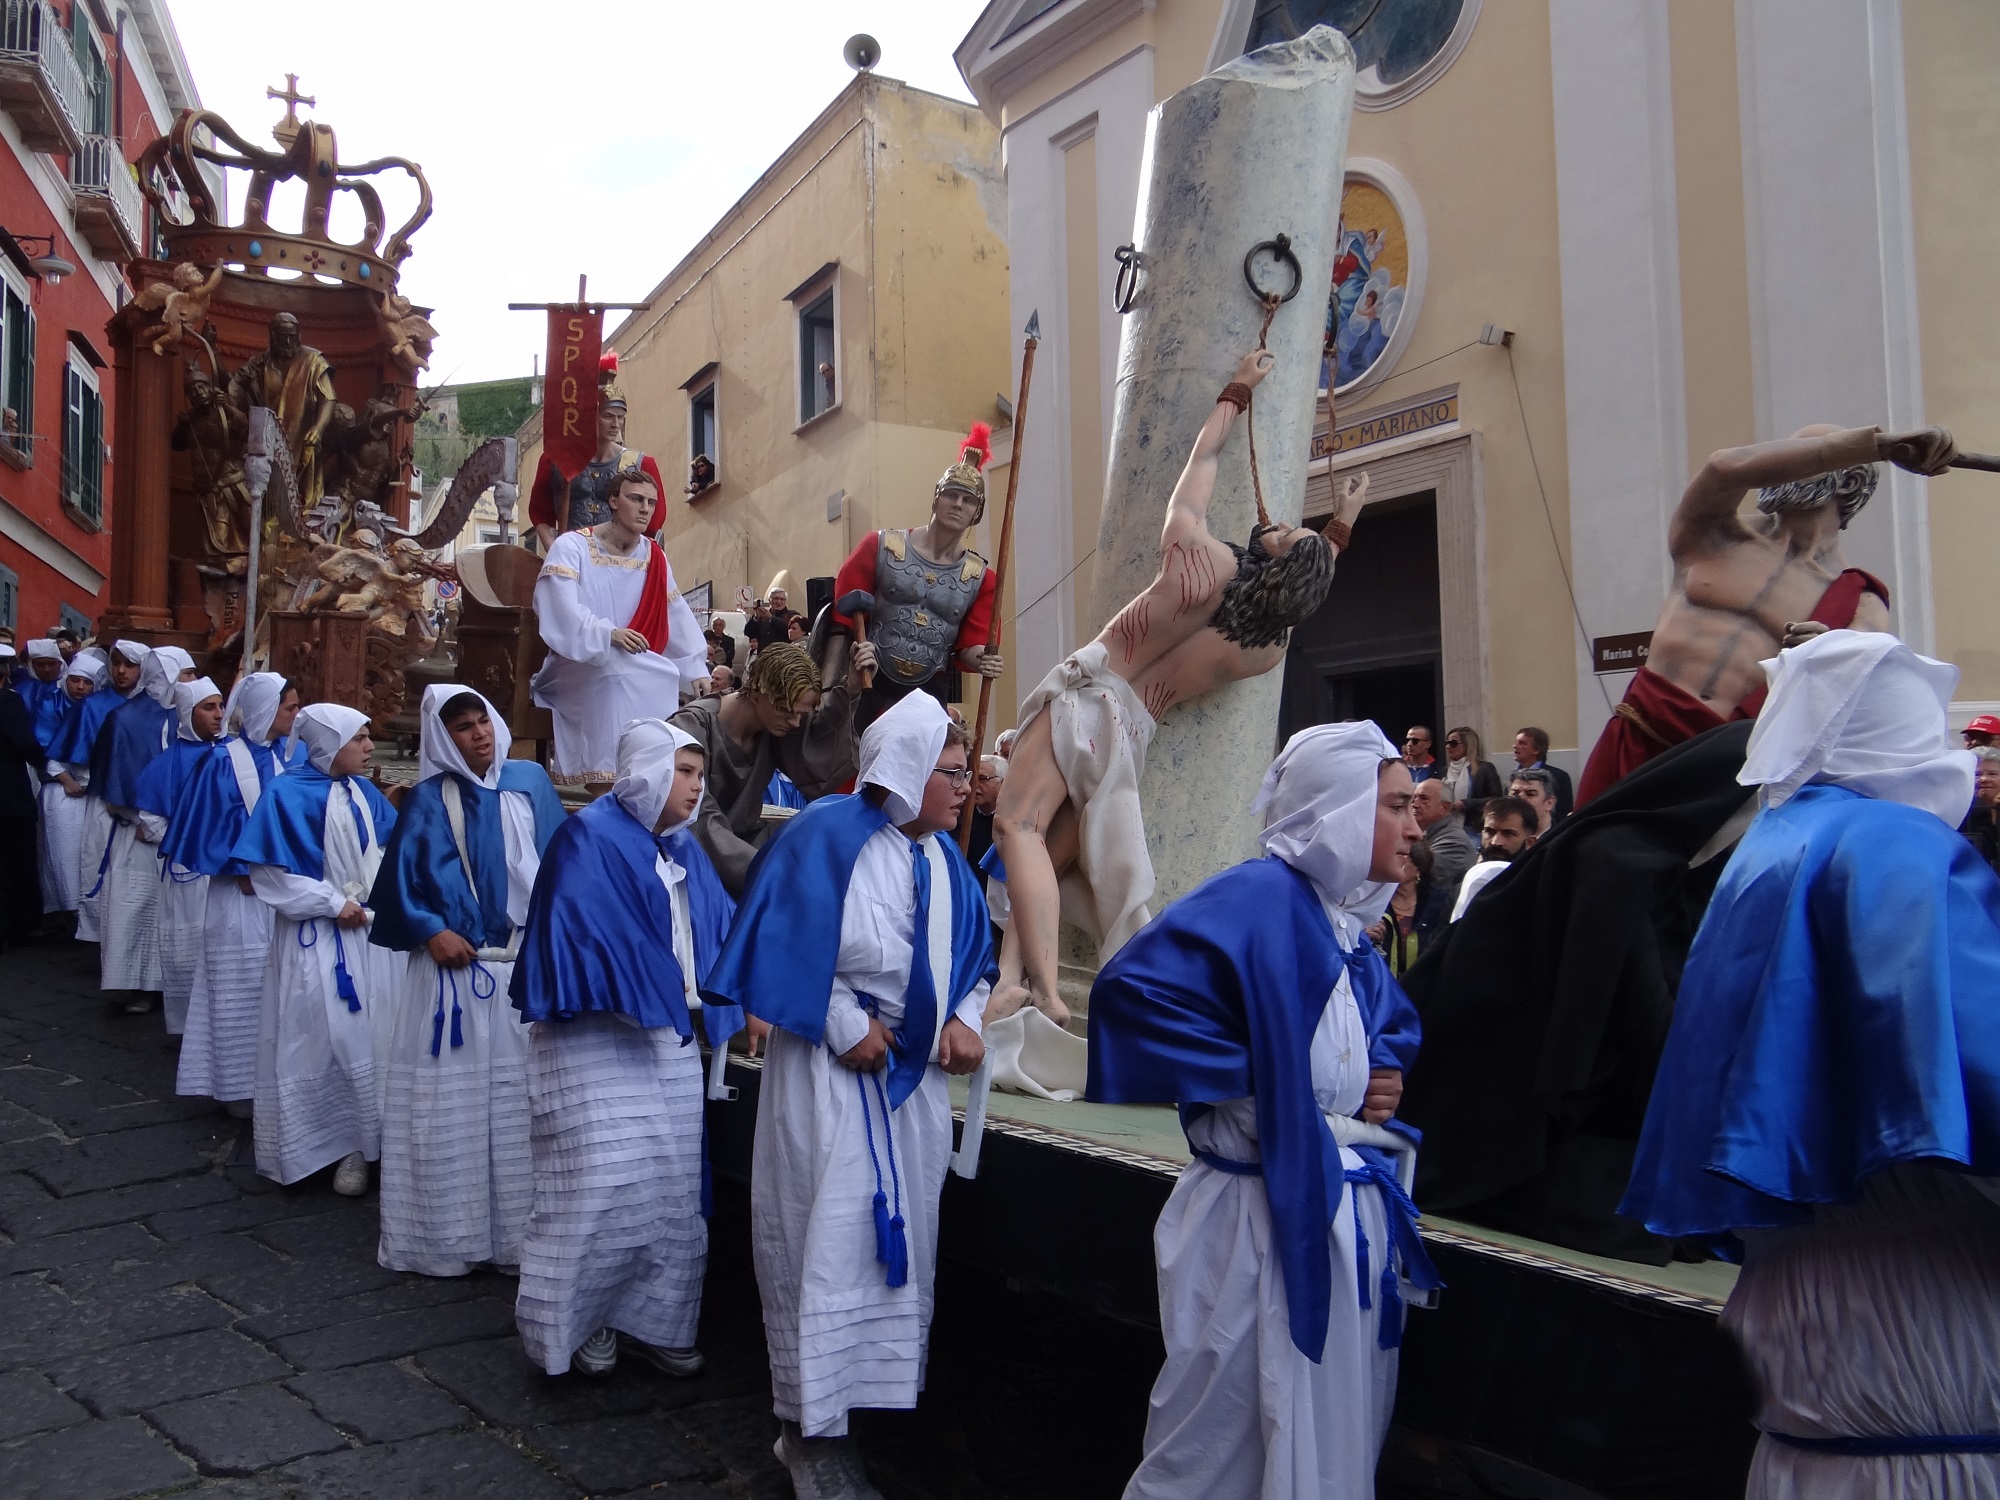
x=892, y=1246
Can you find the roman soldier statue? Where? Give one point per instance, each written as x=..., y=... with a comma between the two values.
x=931, y=609
x=559, y=503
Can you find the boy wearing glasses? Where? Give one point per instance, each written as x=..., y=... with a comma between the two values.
x=862, y=950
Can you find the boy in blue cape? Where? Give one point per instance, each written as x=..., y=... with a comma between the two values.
x=134, y=733
x=1289, y=1247
x=457, y=1183
x=313, y=847
x=183, y=892
x=43, y=691
x=1828, y=1103
x=219, y=1048
x=76, y=749
x=63, y=793
x=863, y=948
x=627, y=915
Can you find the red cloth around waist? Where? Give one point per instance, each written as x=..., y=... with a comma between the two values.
x=1672, y=713
x=1835, y=611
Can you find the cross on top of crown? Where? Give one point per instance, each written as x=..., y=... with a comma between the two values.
x=287, y=129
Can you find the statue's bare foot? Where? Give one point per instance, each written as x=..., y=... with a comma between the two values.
x=1798, y=632
x=1052, y=1007
x=1007, y=997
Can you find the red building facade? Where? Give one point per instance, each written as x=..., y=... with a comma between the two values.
x=84, y=88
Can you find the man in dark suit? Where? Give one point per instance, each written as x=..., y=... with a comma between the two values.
x=1531, y=752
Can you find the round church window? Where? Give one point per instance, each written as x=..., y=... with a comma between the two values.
x=1400, y=46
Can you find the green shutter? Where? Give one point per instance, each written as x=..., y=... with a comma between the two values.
x=18, y=332
x=93, y=455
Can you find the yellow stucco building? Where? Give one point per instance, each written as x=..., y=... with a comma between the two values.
x=828, y=342
x=1680, y=227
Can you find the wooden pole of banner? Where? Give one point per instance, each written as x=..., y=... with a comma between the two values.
x=1031, y=339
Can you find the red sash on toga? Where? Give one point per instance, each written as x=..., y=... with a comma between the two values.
x=650, y=618
x=1656, y=715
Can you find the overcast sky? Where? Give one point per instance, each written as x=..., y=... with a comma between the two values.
x=603, y=136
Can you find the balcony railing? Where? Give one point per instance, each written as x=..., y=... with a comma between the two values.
x=110, y=209
x=40, y=83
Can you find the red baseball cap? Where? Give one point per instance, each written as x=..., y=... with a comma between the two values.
x=1984, y=724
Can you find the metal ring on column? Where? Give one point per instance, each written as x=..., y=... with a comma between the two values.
x=1125, y=291
x=1280, y=249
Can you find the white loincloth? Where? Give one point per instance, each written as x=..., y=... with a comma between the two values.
x=1880, y=1318
x=90, y=865
x=1030, y=1054
x=457, y=1172
x=616, y=1237
x=1100, y=731
x=219, y=1048
x=63, y=819
x=129, y=916
x=183, y=914
x=839, y=1336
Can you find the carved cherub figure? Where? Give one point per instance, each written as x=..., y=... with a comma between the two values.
x=182, y=305
x=409, y=332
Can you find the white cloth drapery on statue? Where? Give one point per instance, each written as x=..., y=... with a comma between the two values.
x=839, y=1337
x=1099, y=731
x=591, y=687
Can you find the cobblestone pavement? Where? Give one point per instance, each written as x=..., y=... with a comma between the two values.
x=172, y=1323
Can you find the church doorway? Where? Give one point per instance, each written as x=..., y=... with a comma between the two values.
x=1374, y=649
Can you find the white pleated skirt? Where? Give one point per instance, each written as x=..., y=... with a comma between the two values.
x=318, y=1091
x=616, y=1238
x=129, y=915
x=183, y=910
x=219, y=1048
x=63, y=818
x=839, y=1336
x=91, y=868
x=457, y=1169
x=1879, y=1319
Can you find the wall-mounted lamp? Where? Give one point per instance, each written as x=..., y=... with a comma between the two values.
x=1493, y=333
x=49, y=266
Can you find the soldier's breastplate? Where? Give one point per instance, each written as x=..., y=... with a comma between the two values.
x=918, y=608
x=587, y=503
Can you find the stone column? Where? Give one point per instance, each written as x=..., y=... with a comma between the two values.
x=1254, y=150
x=142, y=425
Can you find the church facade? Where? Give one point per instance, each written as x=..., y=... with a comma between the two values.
x=1583, y=245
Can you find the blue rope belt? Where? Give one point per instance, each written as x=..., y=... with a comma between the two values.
x=1890, y=1447
x=1406, y=1245
x=892, y=1246
x=479, y=972
x=343, y=982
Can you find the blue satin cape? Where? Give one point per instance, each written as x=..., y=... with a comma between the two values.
x=136, y=730
x=78, y=734
x=1217, y=999
x=210, y=815
x=288, y=829
x=48, y=707
x=1839, y=1014
x=779, y=961
x=166, y=779
x=599, y=929
x=421, y=889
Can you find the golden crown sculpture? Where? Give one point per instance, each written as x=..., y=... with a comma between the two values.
x=194, y=229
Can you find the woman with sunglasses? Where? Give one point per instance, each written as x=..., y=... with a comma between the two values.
x=1468, y=775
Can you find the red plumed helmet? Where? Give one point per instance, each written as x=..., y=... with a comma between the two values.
x=978, y=445
x=607, y=363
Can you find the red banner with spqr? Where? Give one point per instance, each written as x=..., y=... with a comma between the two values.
x=569, y=390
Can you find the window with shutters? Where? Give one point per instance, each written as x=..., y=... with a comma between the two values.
x=96, y=102
x=83, y=443
x=10, y=598
x=17, y=371
x=819, y=375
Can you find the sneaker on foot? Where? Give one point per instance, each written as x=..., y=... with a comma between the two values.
x=350, y=1178
x=683, y=1364
x=818, y=1466
x=599, y=1355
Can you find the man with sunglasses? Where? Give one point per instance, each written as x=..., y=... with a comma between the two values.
x=1417, y=753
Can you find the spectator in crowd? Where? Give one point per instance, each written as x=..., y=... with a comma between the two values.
x=1536, y=787
x=1469, y=776
x=1451, y=848
x=795, y=630
x=68, y=642
x=986, y=784
x=782, y=614
x=1983, y=730
x=721, y=680
x=1507, y=831
x=720, y=641
x=1531, y=753
x=1982, y=824
x=1398, y=933
x=1417, y=753
x=1003, y=744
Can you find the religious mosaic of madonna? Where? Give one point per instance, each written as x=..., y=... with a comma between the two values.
x=1371, y=277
